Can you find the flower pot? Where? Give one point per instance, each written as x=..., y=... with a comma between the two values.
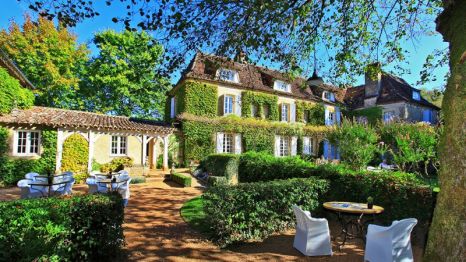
x=370, y=205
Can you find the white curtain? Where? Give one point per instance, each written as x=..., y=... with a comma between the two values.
x=238, y=145
x=277, y=146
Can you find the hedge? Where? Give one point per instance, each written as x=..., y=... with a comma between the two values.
x=182, y=179
x=253, y=211
x=75, y=156
x=82, y=228
x=222, y=165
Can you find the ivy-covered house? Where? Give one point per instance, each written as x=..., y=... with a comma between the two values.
x=389, y=98
x=225, y=106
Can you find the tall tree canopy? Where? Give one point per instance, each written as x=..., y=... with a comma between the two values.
x=49, y=57
x=122, y=79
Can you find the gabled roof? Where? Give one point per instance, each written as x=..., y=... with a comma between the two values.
x=393, y=89
x=14, y=71
x=55, y=118
x=252, y=77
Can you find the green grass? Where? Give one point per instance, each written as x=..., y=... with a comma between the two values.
x=193, y=213
x=138, y=180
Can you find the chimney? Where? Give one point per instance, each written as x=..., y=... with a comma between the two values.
x=241, y=57
x=315, y=79
x=372, y=77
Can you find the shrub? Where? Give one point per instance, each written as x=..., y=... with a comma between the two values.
x=253, y=211
x=217, y=181
x=138, y=180
x=117, y=164
x=254, y=167
x=223, y=165
x=84, y=228
x=182, y=179
x=75, y=155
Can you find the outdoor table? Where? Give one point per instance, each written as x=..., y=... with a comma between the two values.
x=48, y=185
x=350, y=215
x=112, y=183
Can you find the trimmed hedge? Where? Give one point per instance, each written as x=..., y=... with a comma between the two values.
x=83, y=228
x=222, y=165
x=182, y=179
x=253, y=211
x=217, y=181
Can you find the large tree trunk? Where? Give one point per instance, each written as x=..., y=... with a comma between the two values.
x=447, y=233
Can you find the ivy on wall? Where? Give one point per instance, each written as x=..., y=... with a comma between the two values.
x=13, y=94
x=373, y=114
x=75, y=155
x=316, y=112
x=197, y=98
x=257, y=134
x=249, y=98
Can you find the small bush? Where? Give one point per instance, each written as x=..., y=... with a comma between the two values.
x=83, y=228
x=138, y=180
x=117, y=164
x=253, y=211
x=182, y=179
x=75, y=155
x=224, y=165
x=217, y=181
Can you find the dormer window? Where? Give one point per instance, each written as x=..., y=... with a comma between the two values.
x=228, y=75
x=329, y=96
x=282, y=86
x=416, y=95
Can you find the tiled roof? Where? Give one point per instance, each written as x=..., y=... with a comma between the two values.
x=251, y=76
x=14, y=71
x=54, y=117
x=393, y=89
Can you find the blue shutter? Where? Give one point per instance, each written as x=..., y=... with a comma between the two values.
x=326, y=144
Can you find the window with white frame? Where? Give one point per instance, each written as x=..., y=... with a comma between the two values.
x=284, y=146
x=119, y=145
x=228, y=143
x=328, y=96
x=228, y=75
x=27, y=143
x=285, y=112
x=416, y=95
x=331, y=117
x=388, y=116
x=282, y=86
x=307, y=145
x=228, y=104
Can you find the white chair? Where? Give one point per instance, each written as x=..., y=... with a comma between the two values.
x=31, y=176
x=69, y=186
x=23, y=184
x=124, y=191
x=92, y=185
x=101, y=187
x=312, y=234
x=123, y=172
x=391, y=243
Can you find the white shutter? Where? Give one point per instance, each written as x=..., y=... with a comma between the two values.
x=172, y=107
x=238, y=105
x=337, y=114
x=292, y=112
x=238, y=145
x=294, y=145
x=306, y=146
x=277, y=146
x=219, y=142
x=327, y=116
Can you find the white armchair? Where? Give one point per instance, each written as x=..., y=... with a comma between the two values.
x=31, y=176
x=124, y=191
x=91, y=183
x=391, y=243
x=312, y=234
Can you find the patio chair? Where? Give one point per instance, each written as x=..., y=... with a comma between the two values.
x=123, y=172
x=38, y=190
x=91, y=183
x=312, y=234
x=124, y=192
x=31, y=176
x=23, y=184
x=41, y=179
x=391, y=243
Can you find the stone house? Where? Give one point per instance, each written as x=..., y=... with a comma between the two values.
x=394, y=96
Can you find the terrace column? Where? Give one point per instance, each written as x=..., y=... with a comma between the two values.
x=165, y=153
x=154, y=152
x=144, y=150
x=59, y=150
x=91, y=140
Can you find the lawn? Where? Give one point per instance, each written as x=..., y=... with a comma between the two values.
x=192, y=213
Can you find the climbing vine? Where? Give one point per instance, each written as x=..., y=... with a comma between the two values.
x=75, y=155
x=373, y=114
x=249, y=98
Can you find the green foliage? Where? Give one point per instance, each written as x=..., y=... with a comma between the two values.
x=51, y=59
x=83, y=228
x=217, y=181
x=373, y=114
x=193, y=213
x=357, y=143
x=125, y=70
x=75, y=156
x=261, y=166
x=138, y=180
x=3, y=141
x=197, y=98
x=249, y=98
x=316, y=113
x=435, y=96
x=182, y=179
x=13, y=94
x=253, y=211
x=117, y=164
x=222, y=165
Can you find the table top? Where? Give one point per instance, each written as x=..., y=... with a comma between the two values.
x=352, y=207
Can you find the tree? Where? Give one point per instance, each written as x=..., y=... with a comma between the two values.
x=122, y=79
x=435, y=96
x=358, y=31
x=13, y=94
x=49, y=57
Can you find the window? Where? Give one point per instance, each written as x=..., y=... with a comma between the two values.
x=172, y=107
x=228, y=75
x=284, y=146
x=228, y=104
x=328, y=96
x=119, y=145
x=307, y=145
x=254, y=110
x=266, y=111
x=227, y=143
x=416, y=95
x=282, y=86
x=285, y=112
x=388, y=116
x=306, y=116
x=331, y=118
x=27, y=143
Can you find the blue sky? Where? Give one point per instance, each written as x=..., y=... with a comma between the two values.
x=418, y=49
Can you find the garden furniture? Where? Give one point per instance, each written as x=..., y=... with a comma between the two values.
x=312, y=234
x=91, y=183
x=351, y=218
x=393, y=243
x=23, y=184
x=31, y=176
x=123, y=172
x=124, y=191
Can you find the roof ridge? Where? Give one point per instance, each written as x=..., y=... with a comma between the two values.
x=79, y=111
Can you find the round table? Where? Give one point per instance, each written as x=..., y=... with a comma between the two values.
x=350, y=215
x=48, y=185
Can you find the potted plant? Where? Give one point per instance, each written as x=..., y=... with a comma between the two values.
x=370, y=202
